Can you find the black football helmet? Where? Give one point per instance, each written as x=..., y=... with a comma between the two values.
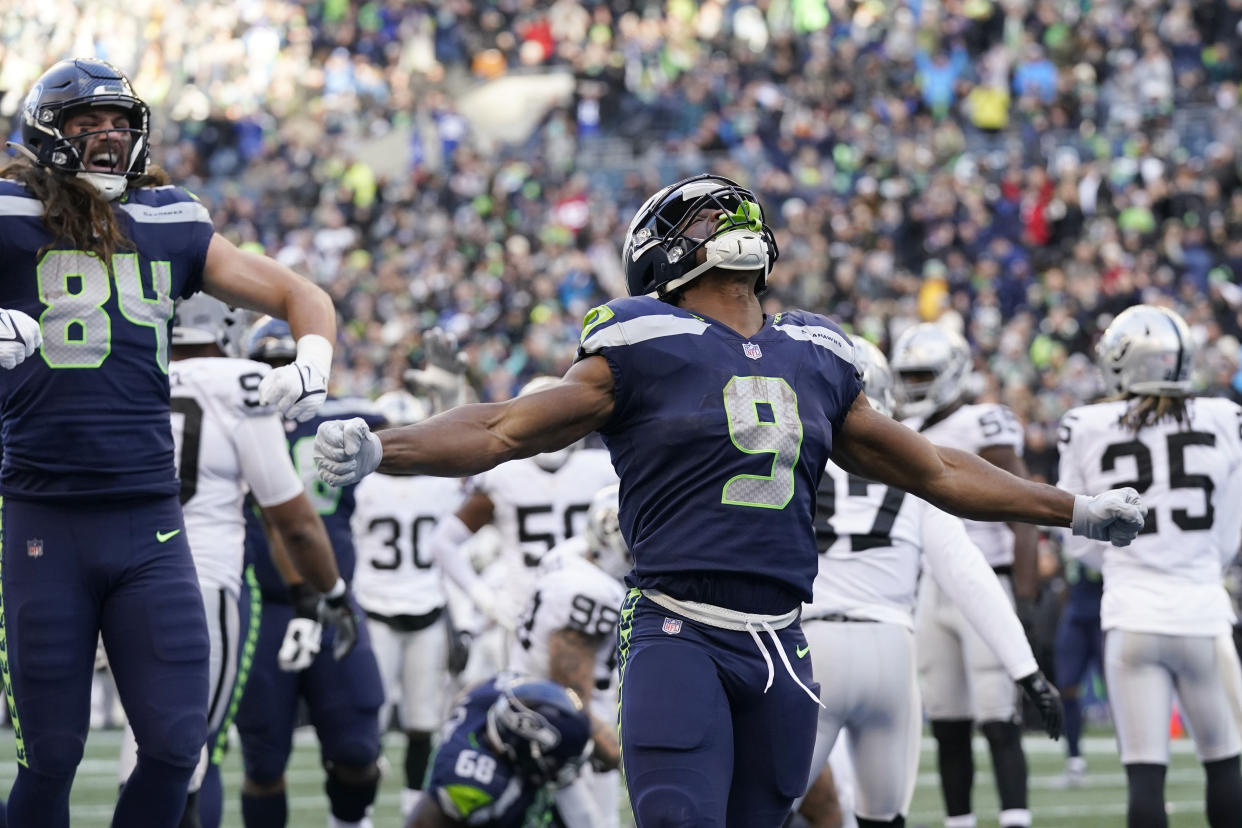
x=270, y=340
x=69, y=86
x=543, y=728
x=659, y=257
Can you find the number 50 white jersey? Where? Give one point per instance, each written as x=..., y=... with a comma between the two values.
x=393, y=519
x=1168, y=581
x=225, y=442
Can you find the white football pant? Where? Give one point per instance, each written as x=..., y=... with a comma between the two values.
x=413, y=669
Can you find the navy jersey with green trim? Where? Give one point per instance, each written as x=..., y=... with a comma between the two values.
x=477, y=785
x=88, y=415
x=720, y=440
x=335, y=506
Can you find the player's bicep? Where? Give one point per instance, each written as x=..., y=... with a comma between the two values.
x=250, y=280
x=265, y=463
x=560, y=414
x=879, y=448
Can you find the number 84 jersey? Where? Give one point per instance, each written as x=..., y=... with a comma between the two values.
x=1168, y=581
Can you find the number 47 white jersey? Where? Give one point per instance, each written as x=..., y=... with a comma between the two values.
x=1168, y=580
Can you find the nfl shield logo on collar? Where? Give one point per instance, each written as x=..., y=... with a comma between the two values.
x=751, y=350
x=34, y=547
x=672, y=626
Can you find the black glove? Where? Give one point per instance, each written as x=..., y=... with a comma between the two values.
x=1045, y=697
x=459, y=641
x=305, y=601
x=337, y=612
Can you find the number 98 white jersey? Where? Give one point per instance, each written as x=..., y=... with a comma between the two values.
x=570, y=593
x=225, y=442
x=393, y=519
x=974, y=428
x=1168, y=580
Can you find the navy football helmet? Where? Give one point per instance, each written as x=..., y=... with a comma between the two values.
x=543, y=728
x=664, y=237
x=270, y=340
x=67, y=88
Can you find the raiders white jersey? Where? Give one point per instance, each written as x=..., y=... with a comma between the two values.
x=1168, y=581
x=536, y=509
x=974, y=428
x=570, y=593
x=225, y=444
x=393, y=518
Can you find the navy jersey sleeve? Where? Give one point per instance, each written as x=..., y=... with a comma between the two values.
x=833, y=353
x=189, y=224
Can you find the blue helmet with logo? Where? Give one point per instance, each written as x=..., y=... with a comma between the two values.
x=706, y=212
x=542, y=727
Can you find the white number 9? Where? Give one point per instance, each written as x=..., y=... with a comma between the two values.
x=763, y=419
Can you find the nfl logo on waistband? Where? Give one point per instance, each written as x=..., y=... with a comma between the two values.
x=672, y=626
x=751, y=350
x=34, y=547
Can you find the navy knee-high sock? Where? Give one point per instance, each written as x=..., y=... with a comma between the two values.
x=270, y=811
x=1073, y=723
x=211, y=798
x=37, y=799
x=154, y=794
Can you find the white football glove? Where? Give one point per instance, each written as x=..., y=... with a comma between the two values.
x=301, y=644
x=444, y=378
x=489, y=603
x=298, y=389
x=1116, y=516
x=19, y=338
x=346, y=451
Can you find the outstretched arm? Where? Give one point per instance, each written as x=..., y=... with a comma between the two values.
x=473, y=438
x=879, y=448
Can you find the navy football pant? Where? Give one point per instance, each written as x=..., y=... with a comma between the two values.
x=69, y=573
x=702, y=743
x=343, y=699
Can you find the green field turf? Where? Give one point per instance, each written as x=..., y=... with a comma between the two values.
x=1099, y=804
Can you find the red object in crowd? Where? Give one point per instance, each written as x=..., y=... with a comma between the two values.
x=540, y=31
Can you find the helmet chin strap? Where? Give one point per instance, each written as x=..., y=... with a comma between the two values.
x=731, y=251
x=109, y=186
x=22, y=150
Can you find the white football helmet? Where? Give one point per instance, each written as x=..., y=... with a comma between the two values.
x=400, y=407
x=1147, y=350
x=205, y=320
x=603, y=533
x=549, y=461
x=931, y=365
x=877, y=377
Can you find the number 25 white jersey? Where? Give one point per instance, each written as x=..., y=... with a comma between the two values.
x=392, y=522
x=1168, y=581
x=974, y=428
x=225, y=442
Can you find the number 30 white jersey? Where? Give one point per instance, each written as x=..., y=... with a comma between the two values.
x=392, y=522
x=1168, y=581
x=974, y=428
x=225, y=443
x=570, y=593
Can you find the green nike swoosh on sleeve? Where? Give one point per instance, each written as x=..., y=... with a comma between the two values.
x=163, y=536
x=802, y=651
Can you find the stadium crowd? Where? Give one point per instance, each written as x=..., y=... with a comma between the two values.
x=1030, y=166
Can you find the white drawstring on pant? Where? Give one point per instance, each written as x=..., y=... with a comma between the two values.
x=767, y=659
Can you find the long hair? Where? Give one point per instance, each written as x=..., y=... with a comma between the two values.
x=74, y=211
x=1148, y=409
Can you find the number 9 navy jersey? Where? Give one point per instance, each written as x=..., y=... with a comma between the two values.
x=720, y=440
x=89, y=415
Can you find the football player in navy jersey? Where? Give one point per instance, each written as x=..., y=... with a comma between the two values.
x=296, y=657
x=95, y=248
x=719, y=419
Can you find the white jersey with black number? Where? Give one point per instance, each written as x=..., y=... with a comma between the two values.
x=536, y=509
x=1168, y=580
x=974, y=428
x=226, y=444
x=570, y=593
x=870, y=537
x=393, y=518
